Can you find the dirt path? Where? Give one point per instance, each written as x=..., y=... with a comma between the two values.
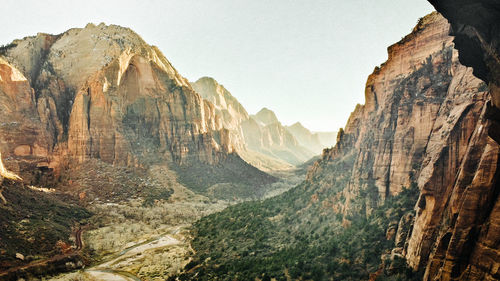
x=111, y=275
x=78, y=239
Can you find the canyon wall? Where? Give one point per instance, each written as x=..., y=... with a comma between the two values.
x=101, y=92
x=424, y=122
x=460, y=230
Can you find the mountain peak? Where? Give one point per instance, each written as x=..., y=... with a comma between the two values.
x=298, y=125
x=78, y=53
x=207, y=79
x=266, y=116
x=211, y=90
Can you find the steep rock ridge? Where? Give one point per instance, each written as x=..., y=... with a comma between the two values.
x=387, y=137
x=260, y=139
x=476, y=25
x=457, y=218
x=101, y=92
x=231, y=112
x=423, y=122
x=234, y=118
x=265, y=117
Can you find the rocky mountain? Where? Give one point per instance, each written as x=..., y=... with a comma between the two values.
x=101, y=92
x=425, y=123
x=277, y=140
x=232, y=114
x=265, y=117
x=260, y=139
x=412, y=179
x=457, y=221
x=96, y=114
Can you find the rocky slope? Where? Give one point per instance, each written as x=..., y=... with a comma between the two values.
x=268, y=136
x=412, y=179
x=227, y=107
x=101, y=92
x=423, y=128
x=424, y=121
x=260, y=139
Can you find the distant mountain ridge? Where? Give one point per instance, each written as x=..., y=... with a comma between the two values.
x=262, y=140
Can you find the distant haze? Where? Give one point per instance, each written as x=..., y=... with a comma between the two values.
x=306, y=60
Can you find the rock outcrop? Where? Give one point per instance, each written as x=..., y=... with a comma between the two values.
x=425, y=122
x=101, y=92
x=475, y=26
x=231, y=113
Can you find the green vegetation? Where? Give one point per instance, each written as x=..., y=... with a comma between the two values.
x=152, y=195
x=231, y=174
x=300, y=235
x=5, y=48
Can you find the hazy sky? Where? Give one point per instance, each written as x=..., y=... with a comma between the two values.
x=307, y=60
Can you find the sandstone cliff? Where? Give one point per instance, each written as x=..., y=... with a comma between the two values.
x=101, y=92
x=424, y=122
x=460, y=229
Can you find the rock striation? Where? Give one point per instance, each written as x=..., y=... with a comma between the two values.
x=460, y=231
x=268, y=136
x=424, y=122
x=101, y=92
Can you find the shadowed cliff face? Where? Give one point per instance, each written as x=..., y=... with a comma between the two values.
x=101, y=93
x=476, y=27
x=425, y=122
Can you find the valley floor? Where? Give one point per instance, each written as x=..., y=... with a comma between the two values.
x=131, y=241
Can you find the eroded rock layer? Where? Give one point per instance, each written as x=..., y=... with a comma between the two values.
x=424, y=122
x=457, y=221
x=101, y=92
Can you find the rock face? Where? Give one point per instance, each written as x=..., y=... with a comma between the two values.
x=265, y=117
x=101, y=93
x=424, y=122
x=260, y=139
x=268, y=136
x=476, y=25
x=232, y=114
x=460, y=229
